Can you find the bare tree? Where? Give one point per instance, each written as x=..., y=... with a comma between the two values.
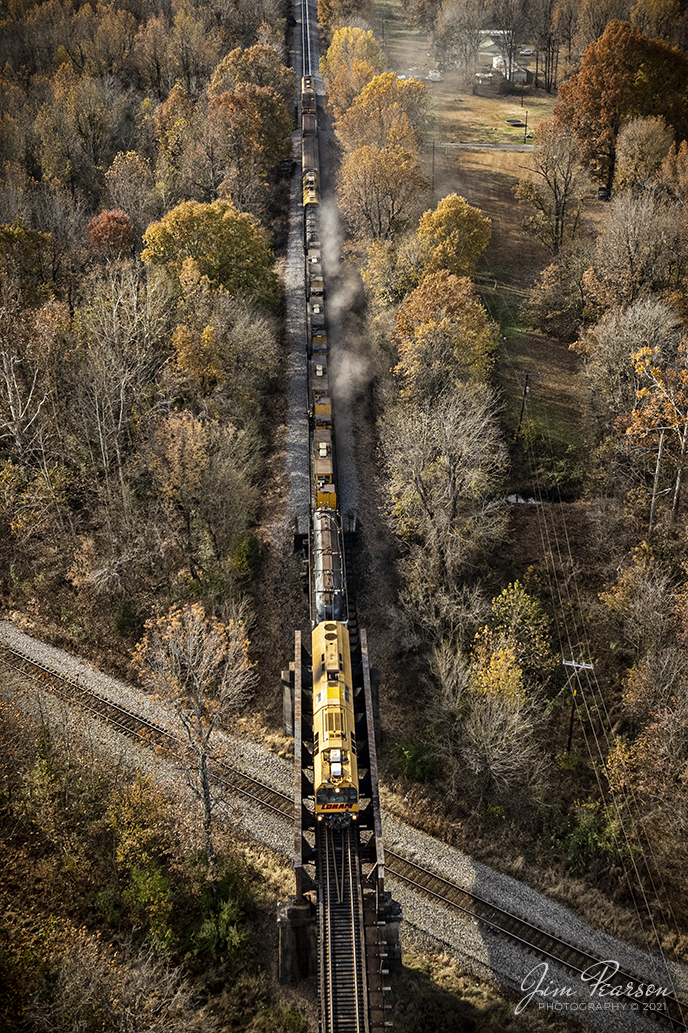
x=445, y=457
x=641, y=148
x=498, y=745
x=641, y=249
x=561, y=186
x=457, y=34
x=609, y=347
x=202, y=668
x=508, y=18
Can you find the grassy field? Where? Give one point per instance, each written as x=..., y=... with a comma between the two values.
x=486, y=176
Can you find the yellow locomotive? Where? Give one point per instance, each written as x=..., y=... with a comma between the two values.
x=335, y=765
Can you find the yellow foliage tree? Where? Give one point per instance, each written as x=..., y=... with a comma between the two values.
x=453, y=236
x=198, y=357
x=513, y=651
x=443, y=332
x=500, y=675
x=228, y=246
x=352, y=61
x=387, y=112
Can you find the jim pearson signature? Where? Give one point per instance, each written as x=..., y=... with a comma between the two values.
x=535, y=985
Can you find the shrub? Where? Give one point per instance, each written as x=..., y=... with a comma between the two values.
x=415, y=759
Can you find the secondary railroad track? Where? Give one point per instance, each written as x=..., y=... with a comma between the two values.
x=540, y=943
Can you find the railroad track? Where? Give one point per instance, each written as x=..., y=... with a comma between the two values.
x=668, y=1010
x=500, y=922
x=143, y=730
x=342, y=957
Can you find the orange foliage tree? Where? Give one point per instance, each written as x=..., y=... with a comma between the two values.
x=442, y=332
x=623, y=75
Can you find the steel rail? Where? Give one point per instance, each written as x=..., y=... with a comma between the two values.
x=145, y=731
x=527, y=935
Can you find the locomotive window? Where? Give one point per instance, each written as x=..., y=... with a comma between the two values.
x=316, y=744
x=329, y=794
x=333, y=675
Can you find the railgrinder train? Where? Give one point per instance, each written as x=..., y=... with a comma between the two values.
x=335, y=766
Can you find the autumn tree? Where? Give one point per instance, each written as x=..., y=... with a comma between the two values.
x=121, y=347
x=641, y=250
x=110, y=234
x=380, y=191
x=354, y=58
x=388, y=112
x=642, y=147
x=508, y=18
x=222, y=348
x=673, y=176
x=609, y=346
x=641, y=600
x=393, y=269
x=174, y=124
x=227, y=245
x=595, y=15
x=445, y=458
x=202, y=667
x=201, y=474
x=442, y=334
x=193, y=50
x=661, y=416
x=558, y=300
x=518, y=625
x=544, y=27
x=559, y=187
x=25, y=260
x=33, y=343
x=259, y=65
x=73, y=128
x=658, y=19
x=457, y=34
x=247, y=135
x=623, y=75
x=130, y=187
x=453, y=236
x=152, y=54
x=566, y=22
x=334, y=13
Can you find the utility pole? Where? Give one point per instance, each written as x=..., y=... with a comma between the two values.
x=574, y=702
x=526, y=391
x=525, y=131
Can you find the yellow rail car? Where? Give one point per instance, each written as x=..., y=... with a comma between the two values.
x=335, y=765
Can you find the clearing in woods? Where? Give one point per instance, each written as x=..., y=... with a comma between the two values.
x=486, y=177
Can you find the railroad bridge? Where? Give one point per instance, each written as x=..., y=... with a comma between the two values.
x=341, y=924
